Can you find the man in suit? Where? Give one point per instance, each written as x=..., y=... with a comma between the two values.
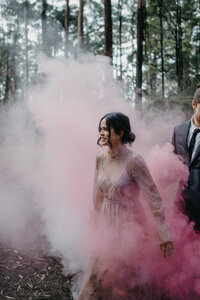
x=186, y=141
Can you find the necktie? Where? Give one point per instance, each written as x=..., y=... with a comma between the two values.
x=192, y=142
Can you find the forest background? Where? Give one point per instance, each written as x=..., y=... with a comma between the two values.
x=153, y=45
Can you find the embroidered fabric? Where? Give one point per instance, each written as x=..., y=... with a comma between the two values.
x=118, y=182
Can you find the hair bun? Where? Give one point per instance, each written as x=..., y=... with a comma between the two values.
x=198, y=85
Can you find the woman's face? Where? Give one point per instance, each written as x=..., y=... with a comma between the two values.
x=115, y=139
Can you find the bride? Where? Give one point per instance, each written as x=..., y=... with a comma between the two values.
x=120, y=176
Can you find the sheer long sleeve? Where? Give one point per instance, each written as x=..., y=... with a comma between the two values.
x=97, y=193
x=139, y=172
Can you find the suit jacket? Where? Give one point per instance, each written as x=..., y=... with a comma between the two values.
x=191, y=193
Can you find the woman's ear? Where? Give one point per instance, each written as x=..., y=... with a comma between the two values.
x=121, y=133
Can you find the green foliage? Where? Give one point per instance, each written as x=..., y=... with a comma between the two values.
x=187, y=37
x=94, y=26
x=182, y=28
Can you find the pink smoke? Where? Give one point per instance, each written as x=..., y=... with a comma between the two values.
x=53, y=159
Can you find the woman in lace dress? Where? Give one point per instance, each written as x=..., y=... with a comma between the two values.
x=120, y=176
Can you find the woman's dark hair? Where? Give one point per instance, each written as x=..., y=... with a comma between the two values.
x=119, y=122
x=197, y=94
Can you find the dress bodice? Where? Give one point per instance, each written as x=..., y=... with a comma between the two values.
x=118, y=187
x=118, y=182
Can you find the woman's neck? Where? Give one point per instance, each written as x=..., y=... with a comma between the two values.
x=115, y=150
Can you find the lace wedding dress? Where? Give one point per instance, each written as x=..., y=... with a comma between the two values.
x=118, y=182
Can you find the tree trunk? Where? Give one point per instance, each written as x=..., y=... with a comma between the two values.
x=44, y=27
x=107, y=28
x=13, y=63
x=67, y=28
x=153, y=77
x=197, y=62
x=26, y=8
x=179, y=53
x=161, y=47
x=7, y=79
x=120, y=3
x=139, y=54
x=133, y=50
x=80, y=27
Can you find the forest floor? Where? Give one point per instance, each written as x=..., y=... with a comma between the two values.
x=31, y=275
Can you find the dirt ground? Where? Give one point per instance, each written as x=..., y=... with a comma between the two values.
x=32, y=275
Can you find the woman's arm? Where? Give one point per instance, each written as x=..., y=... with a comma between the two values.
x=139, y=172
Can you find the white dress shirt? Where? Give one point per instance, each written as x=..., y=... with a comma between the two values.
x=197, y=142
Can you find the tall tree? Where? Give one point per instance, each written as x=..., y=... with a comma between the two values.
x=171, y=52
x=139, y=54
x=120, y=3
x=67, y=27
x=13, y=72
x=26, y=10
x=80, y=26
x=107, y=28
x=44, y=26
x=7, y=78
x=161, y=46
x=179, y=53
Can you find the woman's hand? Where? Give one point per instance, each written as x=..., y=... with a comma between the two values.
x=167, y=248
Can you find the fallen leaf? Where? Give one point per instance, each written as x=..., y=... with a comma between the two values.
x=42, y=277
